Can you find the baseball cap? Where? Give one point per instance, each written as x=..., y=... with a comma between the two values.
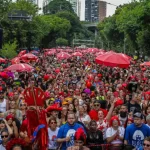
x=138, y=115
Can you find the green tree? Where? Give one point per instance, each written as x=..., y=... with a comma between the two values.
x=56, y=6
x=9, y=50
x=61, y=42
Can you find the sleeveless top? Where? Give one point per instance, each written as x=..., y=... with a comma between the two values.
x=3, y=106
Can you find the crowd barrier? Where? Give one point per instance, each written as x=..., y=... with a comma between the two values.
x=111, y=147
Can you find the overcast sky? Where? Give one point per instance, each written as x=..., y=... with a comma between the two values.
x=110, y=8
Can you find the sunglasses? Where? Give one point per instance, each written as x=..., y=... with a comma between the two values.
x=53, y=122
x=22, y=104
x=96, y=105
x=147, y=145
x=4, y=136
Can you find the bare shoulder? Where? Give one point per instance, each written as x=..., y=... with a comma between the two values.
x=86, y=148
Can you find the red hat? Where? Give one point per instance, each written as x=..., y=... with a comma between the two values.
x=10, y=117
x=114, y=118
x=118, y=102
x=15, y=141
x=80, y=135
x=54, y=107
x=10, y=94
x=57, y=70
x=46, y=77
x=99, y=75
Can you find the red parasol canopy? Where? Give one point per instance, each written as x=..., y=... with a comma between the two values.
x=77, y=54
x=19, y=67
x=63, y=55
x=15, y=60
x=22, y=53
x=93, y=50
x=124, y=55
x=145, y=64
x=100, y=53
x=113, y=60
x=49, y=53
x=29, y=56
x=2, y=60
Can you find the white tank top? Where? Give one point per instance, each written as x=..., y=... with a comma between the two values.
x=3, y=106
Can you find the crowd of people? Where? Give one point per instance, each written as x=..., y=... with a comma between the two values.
x=88, y=106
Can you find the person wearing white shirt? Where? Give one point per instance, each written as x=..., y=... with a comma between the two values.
x=115, y=133
x=82, y=117
x=148, y=120
x=52, y=134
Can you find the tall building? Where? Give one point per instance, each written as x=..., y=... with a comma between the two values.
x=95, y=10
x=102, y=10
x=74, y=4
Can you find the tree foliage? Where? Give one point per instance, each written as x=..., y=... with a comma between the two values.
x=42, y=30
x=129, y=27
x=61, y=42
x=9, y=50
x=56, y=6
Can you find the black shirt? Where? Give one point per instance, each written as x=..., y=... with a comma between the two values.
x=95, y=138
x=134, y=107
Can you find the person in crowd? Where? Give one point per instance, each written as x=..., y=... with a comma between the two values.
x=5, y=138
x=146, y=143
x=14, y=111
x=94, y=112
x=11, y=122
x=83, y=117
x=4, y=106
x=67, y=131
x=148, y=120
x=133, y=104
x=94, y=136
x=79, y=140
x=52, y=134
x=54, y=111
x=136, y=132
x=64, y=113
x=115, y=133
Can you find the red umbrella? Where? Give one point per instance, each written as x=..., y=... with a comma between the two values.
x=77, y=54
x=15, y=60
x=100, y=53
x=2, y=60
x=63, y=55
x=29, y=56
x=93, y=50
x=22, y=53
x=145, y=64
x=19, y=67
x=49, y=53
x=113, y=60
x=126, y=56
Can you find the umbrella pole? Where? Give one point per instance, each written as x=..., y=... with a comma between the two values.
x=35, y=101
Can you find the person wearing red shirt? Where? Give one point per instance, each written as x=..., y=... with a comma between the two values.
x=94, y=112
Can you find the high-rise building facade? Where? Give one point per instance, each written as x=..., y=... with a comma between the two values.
x=74, y=4
x=102, y=10
x=95, y=10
